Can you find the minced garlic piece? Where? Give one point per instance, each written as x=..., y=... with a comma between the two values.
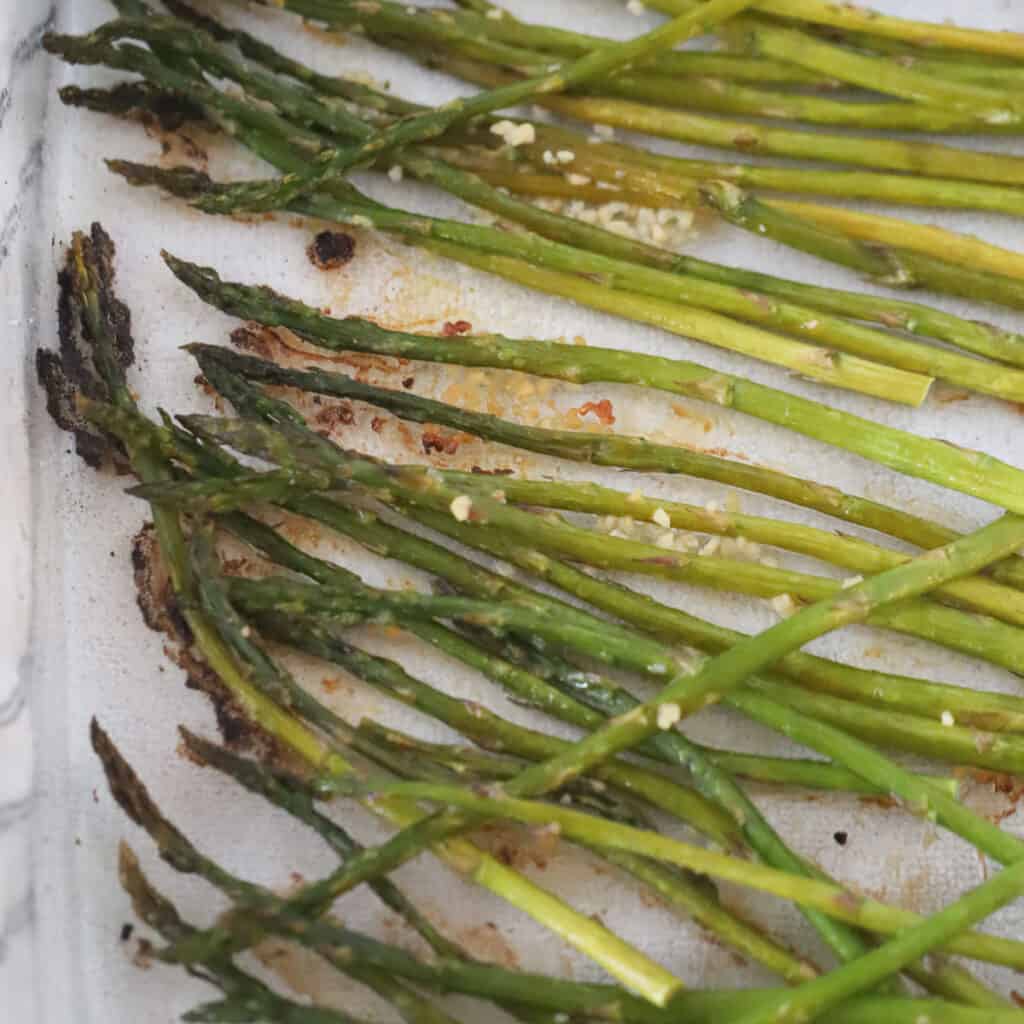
x=461, y=507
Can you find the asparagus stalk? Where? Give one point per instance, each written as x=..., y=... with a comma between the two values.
x=970, y=708
x=973, y=336
x=975, y=473
x=468, y=762
x=96, y=349
x=919, y=33
x=982, y=710
x=462, y=763
x=924, y=238
x=977, y=337
x=841, y=940
x=978, y=709
x=245, y=997
x=674, y=176
x=922, y=36
x=933, y=160
x=783, y=44
x=527, y=48
x=897, y=267
x=982, y=637
x=159, y=914
x=274, y=194
x=630, y=556
x=810, y=360
x=297, y=799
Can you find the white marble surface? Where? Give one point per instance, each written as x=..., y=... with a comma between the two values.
x=23, y=79
x=86, y=652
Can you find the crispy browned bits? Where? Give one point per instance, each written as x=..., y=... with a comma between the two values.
x=330, y=250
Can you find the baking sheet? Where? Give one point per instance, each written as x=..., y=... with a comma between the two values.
x=88, y=652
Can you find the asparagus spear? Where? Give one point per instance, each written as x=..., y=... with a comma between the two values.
x=886, y=445
x=811, y=999
x=809, y=360
x=96, y=349
x=925, y=34
x=183, y=855
x=933, y=160
x=718, y=786
x=779, y=43
x=274, y=194
x=527, y=48
x=956, y=744
x=982, y=710
x=925, y=238
x=900, y=268
x=468, y=762
x=980, y=595
x=245, y=997
x=973, y=336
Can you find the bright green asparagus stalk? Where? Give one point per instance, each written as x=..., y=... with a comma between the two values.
x=158, y=913
x=245, y=997
x=973, y=472
x=900, y=268
x=979, y=594
x=967, y=172
x=96, y=349
x=924, y=34
x=989, y=106
x=810, y=360
x=976, y=337
x=527, y=48
x=981, y=710
x=333, y=163
x=729, y=669
x=964, y=250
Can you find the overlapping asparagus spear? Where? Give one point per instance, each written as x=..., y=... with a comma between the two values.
x=304, y=106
